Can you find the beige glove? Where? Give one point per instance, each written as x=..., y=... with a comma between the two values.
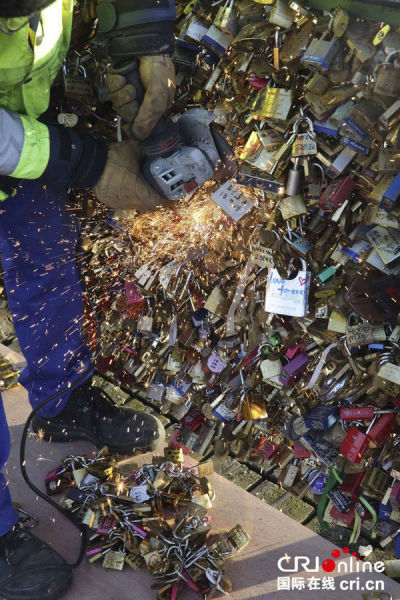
x=157, y=74
x=122, y=185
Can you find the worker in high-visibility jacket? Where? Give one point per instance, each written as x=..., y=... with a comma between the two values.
x=38, y=239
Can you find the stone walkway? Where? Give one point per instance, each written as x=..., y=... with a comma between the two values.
x=254, y=571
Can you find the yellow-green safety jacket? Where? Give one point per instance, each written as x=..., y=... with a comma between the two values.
x=31, y=54
x=29, y=63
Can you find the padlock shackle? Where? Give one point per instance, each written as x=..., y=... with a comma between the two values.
x=301, y=120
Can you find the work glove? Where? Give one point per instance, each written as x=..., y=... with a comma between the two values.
x=121, y=185
x=157, y=74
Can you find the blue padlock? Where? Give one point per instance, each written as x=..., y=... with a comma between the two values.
x=321, y=418
x=391, y=195
x=384, y=512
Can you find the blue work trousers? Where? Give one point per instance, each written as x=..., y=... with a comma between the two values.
x=38, y=245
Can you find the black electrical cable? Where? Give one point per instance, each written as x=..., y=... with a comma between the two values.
x=66, y=514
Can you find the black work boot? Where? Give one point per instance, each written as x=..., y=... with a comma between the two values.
x=30, y=569
x=90, y=414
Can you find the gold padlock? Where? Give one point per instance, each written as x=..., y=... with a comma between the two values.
x=253, y=407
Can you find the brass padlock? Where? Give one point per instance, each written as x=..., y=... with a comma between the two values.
x=238, y=537
x=226, y=19
x=375, y=482
x=387, y=82
x=253, y=407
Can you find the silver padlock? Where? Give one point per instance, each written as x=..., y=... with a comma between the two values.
x=226, y=19
x=295, y=179
x=320, y=54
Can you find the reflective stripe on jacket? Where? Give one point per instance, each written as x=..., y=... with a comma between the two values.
x=29, y=63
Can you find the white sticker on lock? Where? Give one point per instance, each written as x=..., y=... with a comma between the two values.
x=145, y=323
x=139, y=493
x=166, y=273
x=224, y=413
x=364, y=333
x=386, y=242
x=197, y=374
x=290, y=475
x=215, y=363
x=390, y=372
x=288, y=296
x=270, y=368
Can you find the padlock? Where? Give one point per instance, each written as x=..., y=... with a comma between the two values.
x=291, y=475
x=365, y=413
x=304, y=144
x=266, y=448
x=391, y=195
x=295, y=179
x=253, y=407
x=288, y=296
x=386, y=119
x=381, y=429
x=336, y=193
x=238, y=537
x=145, y=323
x=56, y=481
x=320, y=53
x=281, y=15
x=341, y=162
x=374, y=482
x=321, y=417
x=356, y=443
x=216, y=40
x=226, y=19
x=253, y=37
x=387, y=81
x=293, y=369
x=273, y=103
x=351, y=485
x=340, y=500
x=76, y=82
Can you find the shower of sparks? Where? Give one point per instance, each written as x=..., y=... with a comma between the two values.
x=193, y=225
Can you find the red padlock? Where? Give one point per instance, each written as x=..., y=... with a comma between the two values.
x=250, y=357
x=394, y=498
x=366, y=413
x=352, y=485
x=347, y=517
x=174, y=442
x=291, y=352
x=381, y=430
x=300, y=452
x=336, y=193
x=193, y=419
x=266, y=448
x=355, y=445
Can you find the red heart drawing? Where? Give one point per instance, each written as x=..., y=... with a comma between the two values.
x=302, y=280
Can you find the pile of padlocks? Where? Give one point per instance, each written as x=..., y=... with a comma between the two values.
x=8, y=373
x=262, y=315
x=155, y=514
